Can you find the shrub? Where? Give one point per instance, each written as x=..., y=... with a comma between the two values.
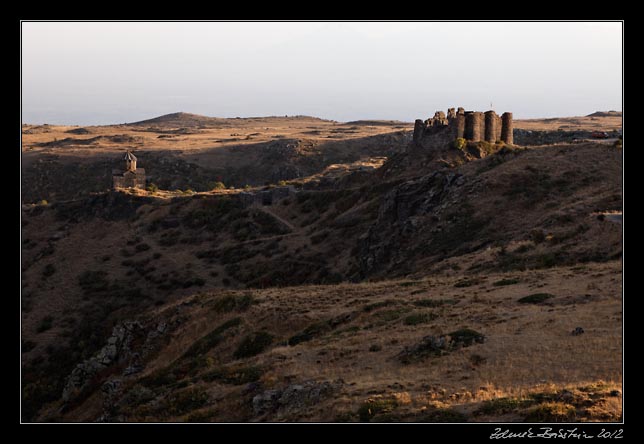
x=442, y=415
x=186, y=401
x=535, y=298
x=409, y=283
x=212, y=339
x=459, y=143
x=376, y=305
x=152, y=188
x=218, y=186
x=419, y=318
x=433, y=302
x=466, y=337
x=391, y=315
x=467, y=283
x=502, y=406
x=142, y=247
x=282, y=183
x=317, y=238
x=45, y=324
x=524, y=248
x=552, y=412
x=234, y=375
x=93, y=281
x=537, y=236
x=372, y=407
x=43, y=202
x=253, y=344
x=310, y=332
x=503, y=282
x=49, y=270
x=230, y=302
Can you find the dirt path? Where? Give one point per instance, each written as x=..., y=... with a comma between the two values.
x=270, y=211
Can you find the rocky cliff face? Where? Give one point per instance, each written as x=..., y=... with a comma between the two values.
x=408, y=213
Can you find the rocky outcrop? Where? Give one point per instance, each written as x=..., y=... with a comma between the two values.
x=439, y=345
x=118, y=349
x=402, y=214
x=293, y=398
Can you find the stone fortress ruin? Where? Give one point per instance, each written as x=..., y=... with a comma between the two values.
x=472, y=126
x=132, y=177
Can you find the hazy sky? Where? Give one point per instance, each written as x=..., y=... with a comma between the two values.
x=102, y=73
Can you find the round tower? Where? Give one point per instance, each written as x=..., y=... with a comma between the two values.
x=459, y=126
x=506, y=128
x=490, y=126
x=419, y=130
x=473, y=123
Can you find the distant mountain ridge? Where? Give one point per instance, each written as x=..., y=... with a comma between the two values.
x=605, y=114
x=189, y=119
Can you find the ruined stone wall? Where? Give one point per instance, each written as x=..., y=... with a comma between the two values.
x=471, y=125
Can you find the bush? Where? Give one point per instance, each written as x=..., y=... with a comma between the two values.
x=552, y=412
x=93, y=281
x=317, y=238
x=369, y=307
x=466, y=337
x=467, y=283
x=45, y=324
x=537, y=236
x=375, y=406
x=234, y=375
x=186, y=401
x=502, y=406
x=49, y=270
x=442, y=415
x=459, y=143
x=433, y=302
x=503, y=282
x=152, y=188
x=535, y=298
x=43, y=203
x=218, y=186
x=419, y=318
x=212, y=339
x=142, y=247
x=253, y=344
x=230, y=302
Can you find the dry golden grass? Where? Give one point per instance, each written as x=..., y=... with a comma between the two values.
x=529, y=354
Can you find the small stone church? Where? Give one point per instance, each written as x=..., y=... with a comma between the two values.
x=132, y=177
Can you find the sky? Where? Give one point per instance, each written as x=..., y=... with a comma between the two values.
x=88, y=73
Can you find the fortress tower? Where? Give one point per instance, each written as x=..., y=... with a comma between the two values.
x=507, y=128
x=490, y=126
